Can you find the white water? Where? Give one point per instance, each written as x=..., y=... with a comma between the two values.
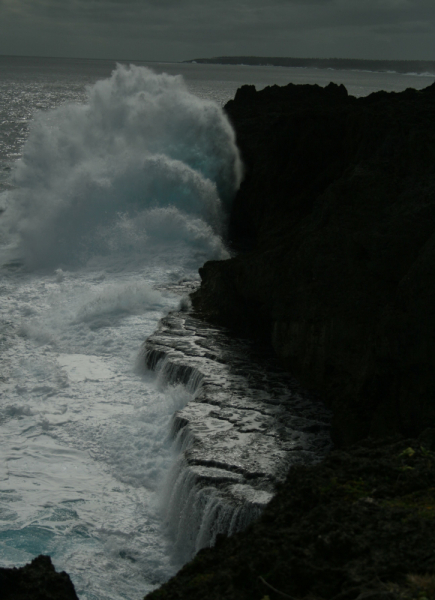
x=110, y=199
x=114, y=196
x=84, y=438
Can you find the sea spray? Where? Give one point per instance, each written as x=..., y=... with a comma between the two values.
x=142, y=163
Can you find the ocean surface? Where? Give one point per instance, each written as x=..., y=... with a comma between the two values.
x=114, y=185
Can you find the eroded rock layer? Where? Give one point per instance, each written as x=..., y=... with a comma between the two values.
x=338, y=212
x=245, y=424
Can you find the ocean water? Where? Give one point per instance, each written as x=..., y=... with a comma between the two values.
x=114, y=184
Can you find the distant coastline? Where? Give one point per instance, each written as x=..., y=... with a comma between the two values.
x=342, y=64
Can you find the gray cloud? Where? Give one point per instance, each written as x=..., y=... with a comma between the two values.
x=182, y=29
x=405, y=28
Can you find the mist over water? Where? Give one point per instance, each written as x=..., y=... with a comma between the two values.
x=143, y=162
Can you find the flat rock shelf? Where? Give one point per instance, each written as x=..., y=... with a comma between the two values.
x=245, y=423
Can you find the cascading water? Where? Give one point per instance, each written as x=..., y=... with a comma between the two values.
x=245, y=424
x=111, y=200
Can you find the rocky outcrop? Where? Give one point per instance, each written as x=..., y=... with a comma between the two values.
x=335, y=227
x=36, y=581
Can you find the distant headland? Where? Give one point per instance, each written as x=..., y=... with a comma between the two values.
x=341, y=64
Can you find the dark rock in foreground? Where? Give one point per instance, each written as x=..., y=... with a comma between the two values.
x=338, y=210
x=36, y=581
x=361, y=524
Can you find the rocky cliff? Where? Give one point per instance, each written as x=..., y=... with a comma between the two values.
x=336, y=220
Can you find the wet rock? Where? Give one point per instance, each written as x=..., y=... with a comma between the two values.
x=245, y=424
x=36, y=581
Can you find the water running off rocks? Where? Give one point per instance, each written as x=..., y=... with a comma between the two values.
x=246, y=423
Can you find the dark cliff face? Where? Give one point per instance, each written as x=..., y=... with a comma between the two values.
x=338, y=210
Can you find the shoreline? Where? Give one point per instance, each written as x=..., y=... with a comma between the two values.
x=401, y=67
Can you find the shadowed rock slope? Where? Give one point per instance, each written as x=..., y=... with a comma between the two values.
x=337, y=210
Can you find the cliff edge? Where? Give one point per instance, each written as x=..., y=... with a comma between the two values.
x=336, y=219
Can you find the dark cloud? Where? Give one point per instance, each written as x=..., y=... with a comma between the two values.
x=182, y=29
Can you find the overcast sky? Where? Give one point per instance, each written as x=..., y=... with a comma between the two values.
x=173, y=30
